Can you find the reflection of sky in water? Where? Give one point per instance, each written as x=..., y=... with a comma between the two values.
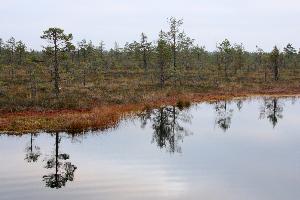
x=251, y=160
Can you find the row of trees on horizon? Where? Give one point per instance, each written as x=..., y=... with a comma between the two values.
x=173, y=52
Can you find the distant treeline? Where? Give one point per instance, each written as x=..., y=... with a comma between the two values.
x=163, y=60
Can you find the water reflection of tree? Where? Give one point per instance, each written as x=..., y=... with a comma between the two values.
x=32, y=150
x=272, y=110
x=63, y=170
x=166, y=123
x=224, y=115
x=239, y=104
x=294, y=100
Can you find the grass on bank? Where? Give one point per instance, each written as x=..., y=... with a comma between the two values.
x=110, y=95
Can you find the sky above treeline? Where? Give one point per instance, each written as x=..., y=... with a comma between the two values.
x=252, y=22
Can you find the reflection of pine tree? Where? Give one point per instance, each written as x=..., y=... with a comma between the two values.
x=64, y=171
x=32, y=151
x=294, y=100
x=144, y=117
x=239, y=104
x=167, y=128
x=272, y=110
x=224, y=115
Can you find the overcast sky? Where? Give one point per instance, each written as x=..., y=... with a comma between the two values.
x=252, y=22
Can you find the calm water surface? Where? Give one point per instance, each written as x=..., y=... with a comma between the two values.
x=234, y=150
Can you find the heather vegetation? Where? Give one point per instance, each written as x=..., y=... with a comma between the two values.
x=83, y=75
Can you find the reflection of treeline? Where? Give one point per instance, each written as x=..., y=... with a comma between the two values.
x=70, y=74
x=168, y=122
x=271, y=109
